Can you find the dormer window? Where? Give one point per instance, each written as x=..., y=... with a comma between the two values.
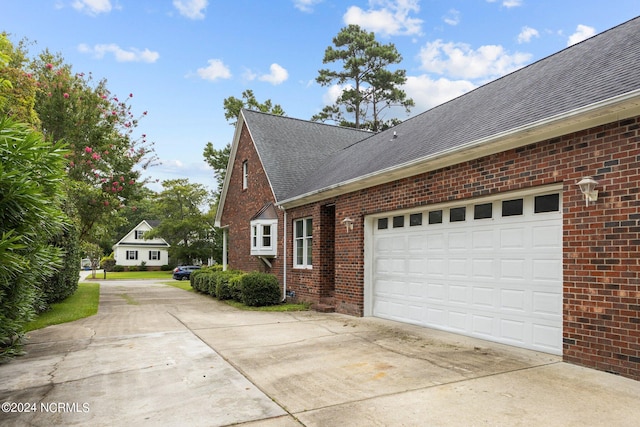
x=264, y=232
x=139, y=234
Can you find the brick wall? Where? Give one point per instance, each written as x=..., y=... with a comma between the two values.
x=242, y=204
x=601, y=267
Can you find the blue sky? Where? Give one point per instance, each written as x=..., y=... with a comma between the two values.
x=181, y=58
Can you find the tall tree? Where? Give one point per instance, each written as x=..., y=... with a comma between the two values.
x=183, y=225
x=369, y=87
x=105, y=157
x=218, y=158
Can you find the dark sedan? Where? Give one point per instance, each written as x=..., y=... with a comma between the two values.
x=183, y=272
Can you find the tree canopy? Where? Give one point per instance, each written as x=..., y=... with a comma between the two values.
x=368, y=86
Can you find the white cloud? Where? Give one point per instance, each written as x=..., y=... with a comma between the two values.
x=192, y=9
x=527, y=34
x=305, y=5
x=277, y=75
x=459, y=60
x=583, y=32
x=508, y=3
x=332, y=94
x=214, y=71
x=512, y=3
x=386, y=17
x=428, y=93
x=452, y=17
x=121, y=55
x=92, y=7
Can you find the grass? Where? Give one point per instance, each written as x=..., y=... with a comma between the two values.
x=277, y=308
x=182, y=284
x=83, y=303
x=139, y=275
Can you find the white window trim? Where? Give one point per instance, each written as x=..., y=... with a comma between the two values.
x=139, y=234
x=307, y=243
x=245, y=175
x=257, y=234
x=151, y=253
x=131, y=255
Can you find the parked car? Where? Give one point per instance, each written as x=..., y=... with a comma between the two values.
x=183, y=272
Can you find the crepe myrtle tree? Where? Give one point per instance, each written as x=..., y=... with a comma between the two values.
x=105, y=157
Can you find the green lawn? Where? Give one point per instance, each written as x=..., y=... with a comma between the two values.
x=139, y=275
x=182, y=284
x=83, y=303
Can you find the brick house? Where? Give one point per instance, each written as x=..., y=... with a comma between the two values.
x=468, y=217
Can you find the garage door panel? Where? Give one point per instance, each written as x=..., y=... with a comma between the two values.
x=498, y=278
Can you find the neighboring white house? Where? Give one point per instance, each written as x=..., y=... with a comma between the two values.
x=133, y=249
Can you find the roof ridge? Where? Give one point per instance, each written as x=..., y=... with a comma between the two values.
x=308, y=121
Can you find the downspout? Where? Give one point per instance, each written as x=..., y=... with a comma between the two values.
x=284, y=263
x=224, y=249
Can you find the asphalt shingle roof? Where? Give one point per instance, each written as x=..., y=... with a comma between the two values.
x=600, y=68
x=291, y=149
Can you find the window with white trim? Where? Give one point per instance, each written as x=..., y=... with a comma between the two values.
x=140, y=234
x=264, y=233
x=154, y=255
x=303, y=242
x=245, y=175
x=132, y=255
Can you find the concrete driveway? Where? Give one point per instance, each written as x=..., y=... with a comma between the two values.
x=160, y=356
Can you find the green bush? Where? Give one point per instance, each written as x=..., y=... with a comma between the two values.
x=132, y=268
x=64, y=282
x=32, y=172
x=199, y=280
x=235, y=285
x=260, y=289
x=107, y=263
x=166, y=267
x=224, y=289
x=142, y=266
x=118, y=268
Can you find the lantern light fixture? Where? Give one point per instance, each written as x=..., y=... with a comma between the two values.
x=587, y=187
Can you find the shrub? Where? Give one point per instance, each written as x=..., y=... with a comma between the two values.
x=142, y=266
x=107, y=263
x=64, y=282
x=199, y=280
x=260, y=289
x=132, y=268
x=235, y=285
x=165, y=267
x=223, y=283
x=118, y=268
x=31, y=183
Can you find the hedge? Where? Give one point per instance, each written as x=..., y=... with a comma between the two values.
x=260, y=289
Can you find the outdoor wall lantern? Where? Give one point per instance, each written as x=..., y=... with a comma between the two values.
x=587, y=186
x=348, y=223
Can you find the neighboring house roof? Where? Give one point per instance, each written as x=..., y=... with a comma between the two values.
x=159, y=241
x=584, y=83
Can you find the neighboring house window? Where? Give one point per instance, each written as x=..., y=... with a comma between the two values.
x=154, y=255
x=139, y=234
x=263, y=237
x=245, y=175
x=132, y=255
x=303, y=237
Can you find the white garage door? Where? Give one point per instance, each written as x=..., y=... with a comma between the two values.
x=490, y=269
